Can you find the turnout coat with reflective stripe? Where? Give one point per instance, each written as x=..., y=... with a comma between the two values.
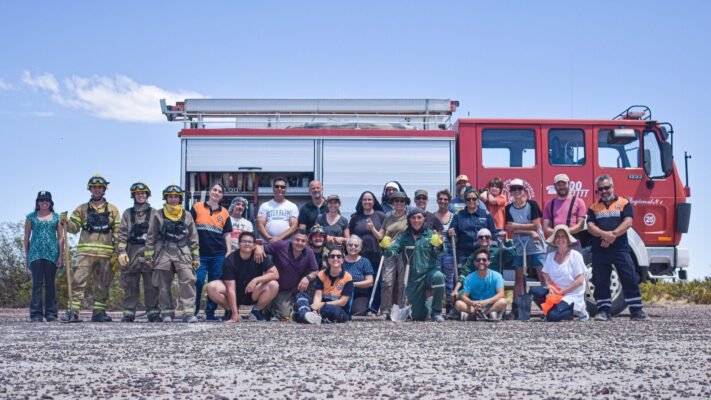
x=95, y=244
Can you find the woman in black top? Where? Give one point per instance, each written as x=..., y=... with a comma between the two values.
x=369, y=213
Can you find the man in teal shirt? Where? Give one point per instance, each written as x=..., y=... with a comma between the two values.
x=483, y=292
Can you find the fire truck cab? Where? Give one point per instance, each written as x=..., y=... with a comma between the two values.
x=634, y=150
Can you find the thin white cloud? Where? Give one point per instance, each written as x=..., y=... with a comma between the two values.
x=120, y=99
x=45, y=82
x=5, y=85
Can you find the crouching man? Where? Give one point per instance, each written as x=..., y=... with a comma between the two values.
x=245, y=282
x=333, y=289
x=483, y=293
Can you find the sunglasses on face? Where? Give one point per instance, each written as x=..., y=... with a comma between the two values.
x=335, y=256
x=352, y=245
x=515, y=188
x=481, y=260
x=604, y=188
x=485, y=237
x=279, y=186
x=471, y=199
x=421, y=198
x=246, y=242
x=443, y=199
x=398, y=201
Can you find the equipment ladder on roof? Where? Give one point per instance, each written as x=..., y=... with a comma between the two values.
x=420, y=114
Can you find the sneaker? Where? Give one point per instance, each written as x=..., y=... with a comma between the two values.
x=227, y=316
x=257, y=314
x=51, y=318
x=464, y=316
x=294, y=316
x=167, y=318
x=211, y=317
x=100, y=317
x=71, y=316
x=603, y=315
x=494, y=316
x=36, y=319
x=637, y=314
x=190, y=319
x=437, y=316
x=312, y=318
x=127, y=318
x=154, y=318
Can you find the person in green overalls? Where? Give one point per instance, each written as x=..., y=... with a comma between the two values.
x=425, y=283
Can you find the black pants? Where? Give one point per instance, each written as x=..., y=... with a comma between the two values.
x=43, y=273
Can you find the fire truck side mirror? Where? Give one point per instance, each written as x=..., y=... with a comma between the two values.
x=667, y=158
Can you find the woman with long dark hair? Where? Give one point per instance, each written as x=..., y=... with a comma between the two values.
x=367, y=219
x=43, y=254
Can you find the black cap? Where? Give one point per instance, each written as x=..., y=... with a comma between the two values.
x=44, y=195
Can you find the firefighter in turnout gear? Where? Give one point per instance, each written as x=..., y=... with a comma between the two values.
x=172, y=248
x=98, y=222
x=132, y=240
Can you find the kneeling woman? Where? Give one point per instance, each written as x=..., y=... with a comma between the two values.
x=333, y=289
x=564, y=274
x=423, y=247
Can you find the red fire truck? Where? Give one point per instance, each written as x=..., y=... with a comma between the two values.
x=353, y=145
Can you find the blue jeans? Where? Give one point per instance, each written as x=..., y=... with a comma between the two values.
x=210, y=266
x=559, y=312
x=43, y=274
x=446, y=265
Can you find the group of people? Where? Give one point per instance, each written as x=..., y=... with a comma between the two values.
x=313, y=265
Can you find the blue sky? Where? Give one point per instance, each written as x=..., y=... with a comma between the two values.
x=79, y=81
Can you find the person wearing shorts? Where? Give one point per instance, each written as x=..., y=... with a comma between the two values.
x=483, y=292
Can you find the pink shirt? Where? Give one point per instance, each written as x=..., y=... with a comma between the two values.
x=560, y=211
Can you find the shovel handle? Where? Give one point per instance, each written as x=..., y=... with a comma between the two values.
x=375, y=283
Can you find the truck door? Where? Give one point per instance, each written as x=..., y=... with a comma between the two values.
x=655, y=200
x=622, y=160
x=508, y=152
x=568, y=149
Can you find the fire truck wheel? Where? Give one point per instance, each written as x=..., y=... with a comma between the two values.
x=618, y=298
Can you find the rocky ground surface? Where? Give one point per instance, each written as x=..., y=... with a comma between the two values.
x=667, y=357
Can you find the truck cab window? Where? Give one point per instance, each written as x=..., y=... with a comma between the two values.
x=617, y=155
x=566, y=147
x=504, y=148
x=652, y=156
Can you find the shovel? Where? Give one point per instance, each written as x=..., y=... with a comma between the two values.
x=375, y=283
x=399, y=314
x=523, y=302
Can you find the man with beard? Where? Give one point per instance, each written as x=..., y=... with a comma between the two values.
x=309, y=212
x=564, y=209
x=608, y=222
x=483, y=292
x=424, y=279
x=317, y=241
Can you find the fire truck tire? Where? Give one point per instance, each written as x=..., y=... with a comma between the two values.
x=618, y=298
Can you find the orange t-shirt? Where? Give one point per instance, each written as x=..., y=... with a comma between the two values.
x=498, y=211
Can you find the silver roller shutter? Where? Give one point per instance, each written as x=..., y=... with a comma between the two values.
x=271, y=155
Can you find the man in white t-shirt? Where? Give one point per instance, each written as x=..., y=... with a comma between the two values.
x=277, y=219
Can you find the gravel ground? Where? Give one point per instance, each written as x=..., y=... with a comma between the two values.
x=667, y=357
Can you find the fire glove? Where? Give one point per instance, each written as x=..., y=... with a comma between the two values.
x=386, y=242
x=123, y=259
x=63, y=216
x=114, y=262
x=436, y=240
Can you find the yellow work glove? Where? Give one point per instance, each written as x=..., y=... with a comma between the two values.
x=114, y=262
x=123, y=259
x=386, y=242
x=63, y=216
x=436, y=240
x=196, y=264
